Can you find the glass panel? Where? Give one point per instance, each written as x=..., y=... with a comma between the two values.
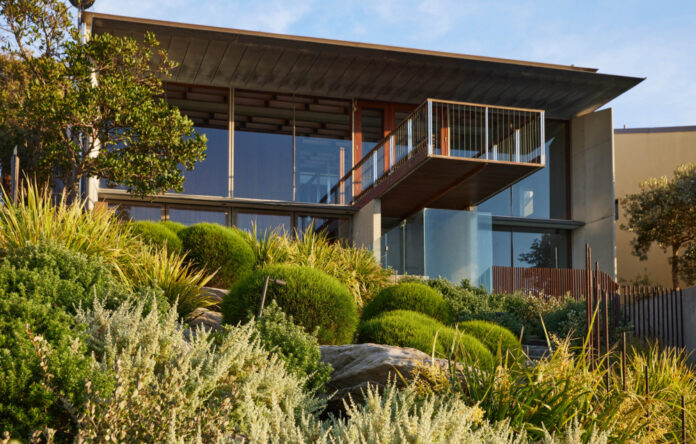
x=264, y=223
x=546, y=250
x=372, y=128
x=133, y=212
x=210, y=177
x=499, y=205
x=320, y=162
x=502, y=248
x=190, y=217
x=392, y=249
x=414, y=245
x=334, y=229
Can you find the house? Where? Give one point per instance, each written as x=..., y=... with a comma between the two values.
x=676, y=145
x=441, y=164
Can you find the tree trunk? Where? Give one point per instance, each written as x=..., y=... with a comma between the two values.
x=71, y=187
x=674, y=261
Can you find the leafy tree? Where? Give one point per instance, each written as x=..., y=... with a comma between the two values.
x=89, y=109
x=664, y=212
x=542, y=253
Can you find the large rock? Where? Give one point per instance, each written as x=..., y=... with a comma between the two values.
x=357, y=365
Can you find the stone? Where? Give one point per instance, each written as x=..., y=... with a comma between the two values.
x=357, y=365
x=209, y=319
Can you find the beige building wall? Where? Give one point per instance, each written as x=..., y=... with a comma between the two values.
x=367, y=228
x=592, y=189
x=642, y=153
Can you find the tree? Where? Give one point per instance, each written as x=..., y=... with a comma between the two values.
x=89, y=109
x=542, y=253
x=664, y=212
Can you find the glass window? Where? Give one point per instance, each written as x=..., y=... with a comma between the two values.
x=190, y=217
x=210, y=177
x=541, y=195
x=544, y=250
x=320, y=163
x=136, y=212
x=264, y=223
x=502, y=248
x=333, y=228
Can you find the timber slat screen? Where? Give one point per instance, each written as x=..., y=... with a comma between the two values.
x=547, y=282
x=655, y=313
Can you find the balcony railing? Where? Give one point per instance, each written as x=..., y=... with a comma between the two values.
x=449, y=129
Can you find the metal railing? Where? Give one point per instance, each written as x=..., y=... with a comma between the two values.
x=451, y=129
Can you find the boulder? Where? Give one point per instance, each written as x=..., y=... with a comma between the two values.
x=209, y=319
x=357, y=365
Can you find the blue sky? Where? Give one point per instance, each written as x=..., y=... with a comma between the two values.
x=653, y=39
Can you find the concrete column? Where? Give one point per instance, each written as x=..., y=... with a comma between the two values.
x=367, y=228
x=592, y=189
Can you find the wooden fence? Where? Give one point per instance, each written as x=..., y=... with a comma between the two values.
x=554, y=282
x=656, y=313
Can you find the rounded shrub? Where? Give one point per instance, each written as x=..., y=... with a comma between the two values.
x=412, y=296
x=405, y=328
x=154, y=233
x=175, y=227
x=314, y=299
x=220, y=249
x=494, y=337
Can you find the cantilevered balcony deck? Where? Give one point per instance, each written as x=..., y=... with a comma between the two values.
x=449, y=155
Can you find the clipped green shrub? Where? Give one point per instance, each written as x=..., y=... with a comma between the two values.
x=215, y=247
x=154, y=233
x=412, y=296
x=405, y=328
x=313, y=298
x=297, y=348
x=494, y=337
x=175, y=227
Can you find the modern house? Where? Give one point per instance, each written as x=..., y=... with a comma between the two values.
x=677, y=146
x=440, y=163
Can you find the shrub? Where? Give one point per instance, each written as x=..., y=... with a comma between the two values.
x=499, y=340
x=405, y=328
x=215, y=247
x=174, y=227
x=409, y=296
x=154, y=233
x=313, y=298
x=299, y=350
x=40, y=286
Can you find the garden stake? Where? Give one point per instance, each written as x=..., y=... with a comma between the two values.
x=623, y=361
x=521, y=334
x=263, y=295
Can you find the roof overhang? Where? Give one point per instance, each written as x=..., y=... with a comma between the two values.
x=302, y=65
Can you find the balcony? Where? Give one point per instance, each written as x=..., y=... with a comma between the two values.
x=448, y=155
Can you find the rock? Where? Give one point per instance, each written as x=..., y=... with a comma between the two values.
x=209, y=319
x=216, y=294
x=357, y=365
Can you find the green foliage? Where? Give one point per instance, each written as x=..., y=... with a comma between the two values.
x=406, y=328
x=131, y=135
x=175, y=227
x=155, y=233
x=499, y=340
x=298, y=349
x=217, y=248
x=40, y=286
x=664, y=212
x=313, y=298
x=412, y=296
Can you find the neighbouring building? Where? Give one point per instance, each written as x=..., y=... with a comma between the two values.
x=642, y=153
x=440, y=163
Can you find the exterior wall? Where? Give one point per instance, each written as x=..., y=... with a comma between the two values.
x=367, y=228
x=641, y=154
x=592, y=189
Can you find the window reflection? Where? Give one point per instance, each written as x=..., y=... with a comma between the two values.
x=334, y=229
x=264, y=223
x=210, y=177
x=262, y=165
x=190, y=217
x=133, y=212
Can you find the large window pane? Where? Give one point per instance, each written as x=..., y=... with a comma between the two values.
x=277, y=223
x=320, y=163
x=334, y=229
x=502, y=248
x=546, y=250
x=210, y=177
x=133, y=212
x=190, y=217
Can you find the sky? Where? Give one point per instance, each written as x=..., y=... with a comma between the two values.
x=651, y=39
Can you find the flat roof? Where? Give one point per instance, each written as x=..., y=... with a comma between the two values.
x=227, y=57
x=656, y=129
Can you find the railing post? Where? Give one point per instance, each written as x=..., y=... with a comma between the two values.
x=430, y=127
x=517, y=145
x=374, y=167
x=410, y=135
x=542, y=131
x=485, y=146
x=495, y=152
x=392, y=151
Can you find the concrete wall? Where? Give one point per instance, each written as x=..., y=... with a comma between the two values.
x=592, y=189
x=367, y=228
x=641, y=154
